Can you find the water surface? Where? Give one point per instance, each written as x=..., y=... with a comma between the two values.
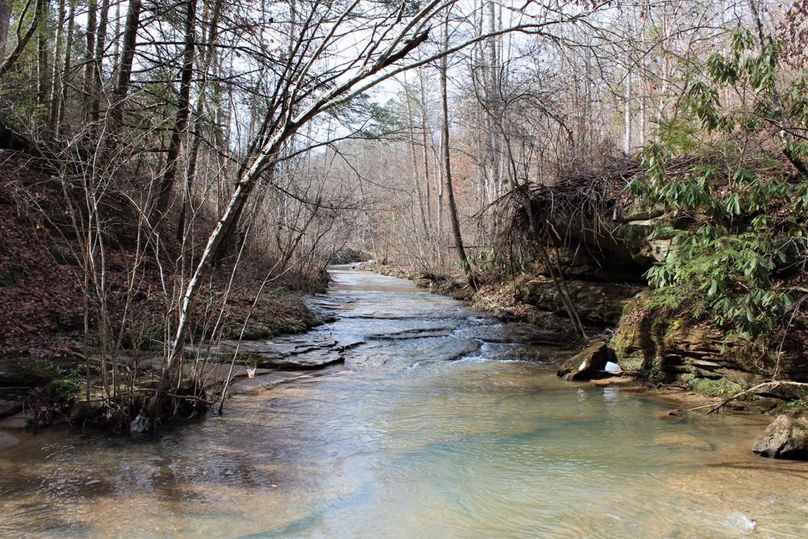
x=436, y=426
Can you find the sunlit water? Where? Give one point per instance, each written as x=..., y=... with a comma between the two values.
x=401, y=442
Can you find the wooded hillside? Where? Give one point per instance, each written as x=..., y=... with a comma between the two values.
x=175, y=173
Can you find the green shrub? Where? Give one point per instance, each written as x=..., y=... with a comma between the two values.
x=740, y=213
x=719, y=387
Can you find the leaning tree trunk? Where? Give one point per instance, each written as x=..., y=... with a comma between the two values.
x=231, y=214
x=265, y=157
x=11, y=60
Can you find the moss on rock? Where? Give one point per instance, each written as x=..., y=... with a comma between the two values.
x=658, y=345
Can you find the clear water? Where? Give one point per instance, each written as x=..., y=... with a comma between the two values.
x=401, y=442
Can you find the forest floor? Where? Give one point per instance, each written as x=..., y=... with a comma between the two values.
x=43, y=301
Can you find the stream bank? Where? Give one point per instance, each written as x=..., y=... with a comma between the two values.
x=443, y=422
x=689, y=365
x=50, y=342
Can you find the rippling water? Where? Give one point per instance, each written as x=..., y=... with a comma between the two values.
x=433, y=428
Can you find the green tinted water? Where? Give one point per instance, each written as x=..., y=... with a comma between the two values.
x=403, y=443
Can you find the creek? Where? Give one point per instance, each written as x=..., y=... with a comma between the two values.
x=442, y=422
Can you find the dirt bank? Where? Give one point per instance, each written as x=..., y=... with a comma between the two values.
x=51, y=336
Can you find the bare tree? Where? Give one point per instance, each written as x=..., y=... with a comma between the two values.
x=446, y=161
x=308, y=87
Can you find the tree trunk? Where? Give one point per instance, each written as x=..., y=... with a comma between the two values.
x=209, y=55
x=415, y=176
x=89, y=56
x=42, y=57
x=6, y=7
x=98, y=61
x=56, y=76
x=231, y=214
x=264, y=157
x=121, y=90
x=447, y=165
x=424, y=146
x=492, y=97
x=66, y=65
x=627, y=124
x=627, y=116
x=183, y=112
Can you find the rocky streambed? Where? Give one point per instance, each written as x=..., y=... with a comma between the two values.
x=428, y=419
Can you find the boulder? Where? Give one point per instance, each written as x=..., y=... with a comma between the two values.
x=613, y=368
x=785, y=438
x=588, y=364
x=63, y=255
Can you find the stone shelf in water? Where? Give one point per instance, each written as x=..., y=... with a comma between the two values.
x=290, y=354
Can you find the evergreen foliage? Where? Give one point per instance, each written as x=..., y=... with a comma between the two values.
x=739, y=211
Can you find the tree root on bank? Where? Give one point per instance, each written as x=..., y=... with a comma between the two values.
x=177, y=405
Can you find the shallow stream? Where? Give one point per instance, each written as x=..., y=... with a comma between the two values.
x=435, y=426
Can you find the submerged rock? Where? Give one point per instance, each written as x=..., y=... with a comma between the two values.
x=785, y=438
x=678, y=440
x=588, y=364
x=7, y=440
x=675, y=415
x=760, y=405
x=9, y=407
x=624, y=381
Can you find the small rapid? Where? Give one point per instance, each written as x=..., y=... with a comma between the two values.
x=441, y=422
